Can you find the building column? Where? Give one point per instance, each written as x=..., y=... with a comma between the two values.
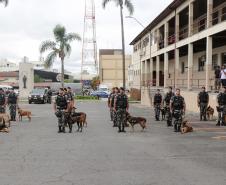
x=209, y=13
x=190, y=66
x=148, y=72
x=166, y=27
x=145, y=72
x=177, y=27
x=209, y=60
x=157, y=70
x=191, y=15
x=219, y=59
x=177, y=66
x=151, y=71
x=166, y=68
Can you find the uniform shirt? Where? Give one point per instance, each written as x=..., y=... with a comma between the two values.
x=217, y=73
x=12, y=98
x=203, y=97
x=157, y=98
x=221, y=98
x=61, y=101
x=2, y=99
x=168, y=97
x=177, y=102
x=121, y=101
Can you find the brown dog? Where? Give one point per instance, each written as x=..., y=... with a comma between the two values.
x=186, y=127
x=22, y=113
x=210, y=112
x=136, y=120
x=73, y=111
x=80, y=119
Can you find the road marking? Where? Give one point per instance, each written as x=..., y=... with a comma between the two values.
x=219, y=137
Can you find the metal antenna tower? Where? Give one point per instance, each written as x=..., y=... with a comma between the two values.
x=89, y=46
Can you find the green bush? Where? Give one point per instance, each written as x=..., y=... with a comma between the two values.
x=86, y=98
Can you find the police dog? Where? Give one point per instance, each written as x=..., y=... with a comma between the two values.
x=210, y=112
x=22, y=113
x=163, y=113
x=136, y=120
x=185, y=128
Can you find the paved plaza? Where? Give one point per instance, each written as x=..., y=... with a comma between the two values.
x=35, y=154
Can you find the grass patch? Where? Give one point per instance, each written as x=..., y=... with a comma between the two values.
x=86, y=98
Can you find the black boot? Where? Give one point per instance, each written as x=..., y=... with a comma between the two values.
x=218, y=123
x=59, y=131
x=63, y=129
x=200, y=117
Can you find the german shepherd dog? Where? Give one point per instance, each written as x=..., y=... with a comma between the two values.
x=185, y=128
x=163, y=113
x=22, y=113
x=136, y=120
x=210, y=112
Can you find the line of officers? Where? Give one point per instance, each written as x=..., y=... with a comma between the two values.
x=11, y=100
x=173, y=103
x=119, y=106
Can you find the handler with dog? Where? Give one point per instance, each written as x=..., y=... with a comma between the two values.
x=121, y=107
x=221, y=99
x=12, y=103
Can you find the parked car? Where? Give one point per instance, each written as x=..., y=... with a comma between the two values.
x=38, y=96
x=99, y=94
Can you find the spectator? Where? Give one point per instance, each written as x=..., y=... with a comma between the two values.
x=223, y=76
x=217, y=78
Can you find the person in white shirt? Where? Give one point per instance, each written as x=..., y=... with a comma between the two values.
x=223, y=75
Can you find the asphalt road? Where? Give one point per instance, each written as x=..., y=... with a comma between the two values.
x=35, y=154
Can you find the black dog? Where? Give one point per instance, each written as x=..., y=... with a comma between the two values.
x=163, y=112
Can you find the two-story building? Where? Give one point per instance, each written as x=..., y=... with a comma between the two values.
x=182, y=46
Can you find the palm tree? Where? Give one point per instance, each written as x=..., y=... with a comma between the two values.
x=4, y=1
x=60, y=47
x=128, y=4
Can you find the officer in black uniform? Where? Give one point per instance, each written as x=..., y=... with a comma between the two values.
x=61, y=106
x=177, y=108
x=203, y=101
x=110, y=104
x=12, y=103
x=221, y=99
x=167, y=99
x=2, y=101
x=157, y=104
x=121, y=106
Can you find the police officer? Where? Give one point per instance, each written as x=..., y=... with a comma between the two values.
x=121, y=106
x=221, y=99
x=70, y=97
x=167, y=99
x=177, y=108
x=110, y=97
x=203, y=101
x=2, y=101
x=157, y=104
x=61, y=105
x=112, y=101
x=49, y=95
x=12, y=102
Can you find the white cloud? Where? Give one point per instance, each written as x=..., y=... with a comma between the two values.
x=26, y=23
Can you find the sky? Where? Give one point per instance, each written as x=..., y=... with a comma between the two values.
x=24, y=24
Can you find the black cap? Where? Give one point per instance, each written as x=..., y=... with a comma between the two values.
x=1, y=89
x=121, y=88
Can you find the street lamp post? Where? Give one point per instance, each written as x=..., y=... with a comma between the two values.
x=134, y=18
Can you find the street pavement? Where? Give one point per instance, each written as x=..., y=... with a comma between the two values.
x=35, y=154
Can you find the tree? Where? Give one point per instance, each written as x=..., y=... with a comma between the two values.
x=127, y=4
x=5, y=2
x=59, y=48
x=95, y=82
x=38, y=79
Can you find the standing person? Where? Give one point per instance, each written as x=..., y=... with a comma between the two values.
x=2, y=101
x=203, y=101
x=61, y=106
x=217, y=73
x=221, y=99
x=167, y=99
x=109, y=103
x=157, y=104
x=177, y=108
x=223, y=76
x=71, y=97
x=112, y=101
x=49, y=95
x=121, y=106
x=12, y=103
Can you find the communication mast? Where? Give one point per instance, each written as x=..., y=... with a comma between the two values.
x=89, y=45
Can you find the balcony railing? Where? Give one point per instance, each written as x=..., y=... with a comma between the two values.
x=200, y=24
x=183, y=33
x=219, y=14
